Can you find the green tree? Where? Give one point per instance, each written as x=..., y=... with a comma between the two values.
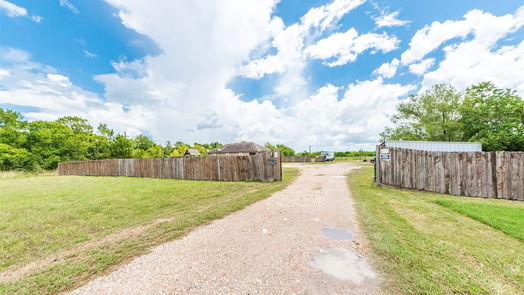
x=12, y=128
x=15, y=158
x=434, y=115
x=121, y=147
x=180, y=149
x=493, y=117
x=284, y=150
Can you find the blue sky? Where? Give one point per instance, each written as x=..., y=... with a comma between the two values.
x=327, y=73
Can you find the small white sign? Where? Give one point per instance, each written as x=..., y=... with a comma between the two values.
x=385, y=157
x=384, y=151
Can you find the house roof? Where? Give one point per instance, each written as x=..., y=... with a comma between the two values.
x=192, y=152
x=244, y=147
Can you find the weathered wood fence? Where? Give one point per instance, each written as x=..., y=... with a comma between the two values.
x=477, y=174
x=296, y=158
x=257, y=167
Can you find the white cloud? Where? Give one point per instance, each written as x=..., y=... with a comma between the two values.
x=480, y=58
x=345, y=47
x=68, y=5
x=390, y=20
x=55, y=96
x=290, y=59
x=37, y=18
x=89, y=54
x=421, y=67
x=59, y=80
x=13, y=10
x=323, y=17
x=486, y=28
x=467, y=63
x=388, y=69
x=4, y=73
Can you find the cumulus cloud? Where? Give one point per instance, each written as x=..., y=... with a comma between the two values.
x=480, y=58
x=27, y=83
x=325, y=16
x=13, y=10
x=390, y=20
x=485, y=27
x=388, y=69
x=345, y=47
x=290, y=43
x=421, y=67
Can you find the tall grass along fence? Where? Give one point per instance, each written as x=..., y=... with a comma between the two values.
x=477, y=174
x=296, y=158
x=265, y=167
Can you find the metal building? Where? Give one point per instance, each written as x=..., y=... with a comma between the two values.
x=434, y=146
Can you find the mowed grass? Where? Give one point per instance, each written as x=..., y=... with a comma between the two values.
x=507, y=218
x=422, y=247
x=65, y=217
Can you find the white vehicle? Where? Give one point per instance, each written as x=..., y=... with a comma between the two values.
x=330, y=156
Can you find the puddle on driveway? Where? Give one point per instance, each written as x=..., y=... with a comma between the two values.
x=342, y=264
x=338, y=234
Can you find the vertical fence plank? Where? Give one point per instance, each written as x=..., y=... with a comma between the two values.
x=476, y=174
x=257, y=167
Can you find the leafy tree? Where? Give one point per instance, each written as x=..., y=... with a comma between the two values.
x=50, y=143
x=284, y=150
x=433, y=116
x=168, y=149
x=270, y=146
x=202, y=149
x=12, y=128
x=155, y=151
x=105, y=131
x=15, y=158
x=77, y=125
x=121, y=147
x=180, y=149
x=493, y=117
x=143, y=142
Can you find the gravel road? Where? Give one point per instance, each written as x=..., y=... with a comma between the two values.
x=301, y=240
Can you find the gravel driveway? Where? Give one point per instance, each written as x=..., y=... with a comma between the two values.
x=302, y=240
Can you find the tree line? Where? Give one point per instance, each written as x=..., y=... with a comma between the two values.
x=43, y=144
x=481, y=113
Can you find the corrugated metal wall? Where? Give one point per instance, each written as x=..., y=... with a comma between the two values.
x=436, y=146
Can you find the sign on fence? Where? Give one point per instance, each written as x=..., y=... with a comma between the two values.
x=477, y=174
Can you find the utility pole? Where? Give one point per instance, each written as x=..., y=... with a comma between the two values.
x=310, y=149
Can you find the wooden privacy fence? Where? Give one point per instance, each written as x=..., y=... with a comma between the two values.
x=477, y=174
x=258, y=167
x=296, y=158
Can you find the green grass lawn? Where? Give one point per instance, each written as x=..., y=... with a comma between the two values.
x=423, y=247
x=68, y=216
x=507, y=218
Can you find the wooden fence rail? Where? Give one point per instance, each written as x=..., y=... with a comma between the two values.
x=257, y=167
x=296, y=158
x=477, y=174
